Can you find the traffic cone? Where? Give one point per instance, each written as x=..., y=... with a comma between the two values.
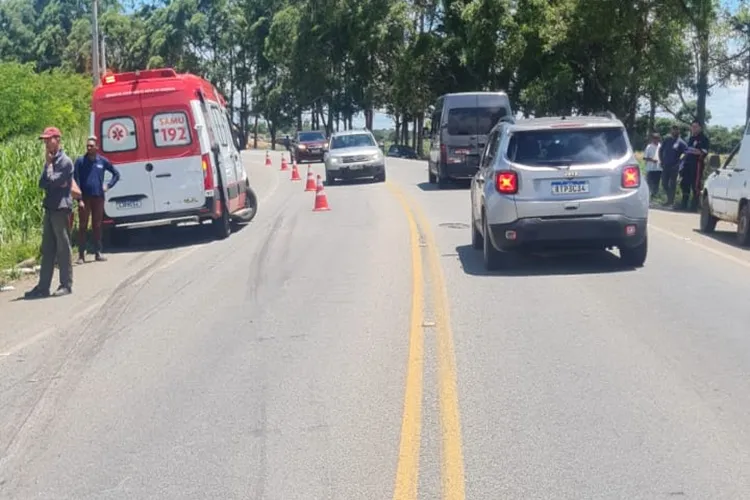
x=321, y=201
x=268, y=159
x=295, y=172
x=311, y=186
x=284, y=164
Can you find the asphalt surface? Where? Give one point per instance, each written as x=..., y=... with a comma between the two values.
x=363, y=351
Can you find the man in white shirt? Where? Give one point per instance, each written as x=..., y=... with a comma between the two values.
x=653, y=167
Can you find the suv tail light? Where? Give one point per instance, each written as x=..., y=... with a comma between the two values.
x=506, y=182
x=443, y=154
x=631, y=177
x=208, y=176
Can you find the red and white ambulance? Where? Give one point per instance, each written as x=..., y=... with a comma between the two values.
x=170, y=136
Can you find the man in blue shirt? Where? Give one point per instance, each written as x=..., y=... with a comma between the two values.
x=89, y=174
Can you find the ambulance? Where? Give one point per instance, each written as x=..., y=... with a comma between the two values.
x=170, y=137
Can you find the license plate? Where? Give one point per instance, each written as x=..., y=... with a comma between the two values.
x=570, y=187
x=128, y=205
x=463, y=151
x=356, y=167
x=315, y=150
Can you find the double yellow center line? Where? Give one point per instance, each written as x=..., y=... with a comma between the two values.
x=452, y=464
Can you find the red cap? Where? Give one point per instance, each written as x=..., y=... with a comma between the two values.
x=50, y=132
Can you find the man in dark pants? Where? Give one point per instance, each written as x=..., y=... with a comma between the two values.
x=56, y=180
x=89, y=174
x=692, y=169
x=669, y=155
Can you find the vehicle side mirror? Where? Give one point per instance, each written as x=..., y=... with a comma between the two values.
x=714, y=162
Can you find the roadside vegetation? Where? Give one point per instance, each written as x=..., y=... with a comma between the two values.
x=317, y=64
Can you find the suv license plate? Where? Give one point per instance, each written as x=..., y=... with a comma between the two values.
x=126, y=205
x=570, y=187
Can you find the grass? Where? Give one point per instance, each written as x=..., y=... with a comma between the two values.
x=21, y=163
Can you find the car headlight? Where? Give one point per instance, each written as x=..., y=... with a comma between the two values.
x=302, y=147
x=333, y=160
x=375, y=157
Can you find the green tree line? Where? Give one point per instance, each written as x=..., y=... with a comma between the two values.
x=324, y=61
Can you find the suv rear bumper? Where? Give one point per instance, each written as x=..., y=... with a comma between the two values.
x=569, y=232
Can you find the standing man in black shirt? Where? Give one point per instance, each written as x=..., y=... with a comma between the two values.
x=692, y=169
x=669, y=155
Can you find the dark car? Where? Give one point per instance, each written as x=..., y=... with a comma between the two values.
x=309, y=146
x=397, y=151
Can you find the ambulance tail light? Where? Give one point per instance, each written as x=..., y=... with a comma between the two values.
x=208, y=176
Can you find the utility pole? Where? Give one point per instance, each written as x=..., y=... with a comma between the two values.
x=104, y=54
x=95, y=44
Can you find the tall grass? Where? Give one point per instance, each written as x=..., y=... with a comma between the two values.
x=21, y=163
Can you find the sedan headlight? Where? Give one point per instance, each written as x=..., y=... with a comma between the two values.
x=333, y=160
x=302, y=147
x=375, y=157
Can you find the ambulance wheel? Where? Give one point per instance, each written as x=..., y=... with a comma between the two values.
x=221, y=226
x=116, y=237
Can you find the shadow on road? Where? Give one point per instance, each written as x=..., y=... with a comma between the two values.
x=725, y=237
x=166, y=238
x=548, y=264
x=451, y=186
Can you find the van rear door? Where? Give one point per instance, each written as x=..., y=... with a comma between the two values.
x=123, y=139
x=469, y=120
x=174, y=153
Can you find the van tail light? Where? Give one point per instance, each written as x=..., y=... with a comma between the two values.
x=506, y=182
x=631, y=177
x=443, y=154
x=208, y=176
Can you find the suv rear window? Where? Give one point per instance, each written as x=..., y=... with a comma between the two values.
x=474, y=121
x=311, y=136
x=569, y=146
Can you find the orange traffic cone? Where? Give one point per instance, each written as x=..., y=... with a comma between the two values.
x=295, y=172
x=321, y=201
x=284, y=164
x=311, y=186
x=268, y=159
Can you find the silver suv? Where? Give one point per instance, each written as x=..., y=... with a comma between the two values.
x=555, y=183
x=354, y=154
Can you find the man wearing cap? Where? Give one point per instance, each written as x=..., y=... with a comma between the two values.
x=56, y=181
x=89, y=174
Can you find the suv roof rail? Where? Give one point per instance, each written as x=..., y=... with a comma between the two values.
x=605, y=114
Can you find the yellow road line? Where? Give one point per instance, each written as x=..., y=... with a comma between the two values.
x=452, y=463
x=407, y=471
x=702, y=246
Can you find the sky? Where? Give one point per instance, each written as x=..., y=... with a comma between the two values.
x=726, y=104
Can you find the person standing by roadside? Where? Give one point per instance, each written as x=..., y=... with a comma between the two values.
x=692, y=170
x=669, y=156
x=653, y=168
x=57, y=182
x=89, y=174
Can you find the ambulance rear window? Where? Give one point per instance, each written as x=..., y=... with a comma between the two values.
x=118, y=135
x=171, y=129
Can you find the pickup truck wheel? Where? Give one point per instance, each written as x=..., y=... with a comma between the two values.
x=743, y=227
x=634, y=256
x=708, y=221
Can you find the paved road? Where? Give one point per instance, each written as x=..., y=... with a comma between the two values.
x=357, y=352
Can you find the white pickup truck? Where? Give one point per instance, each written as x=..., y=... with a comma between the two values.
x=727, y=191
